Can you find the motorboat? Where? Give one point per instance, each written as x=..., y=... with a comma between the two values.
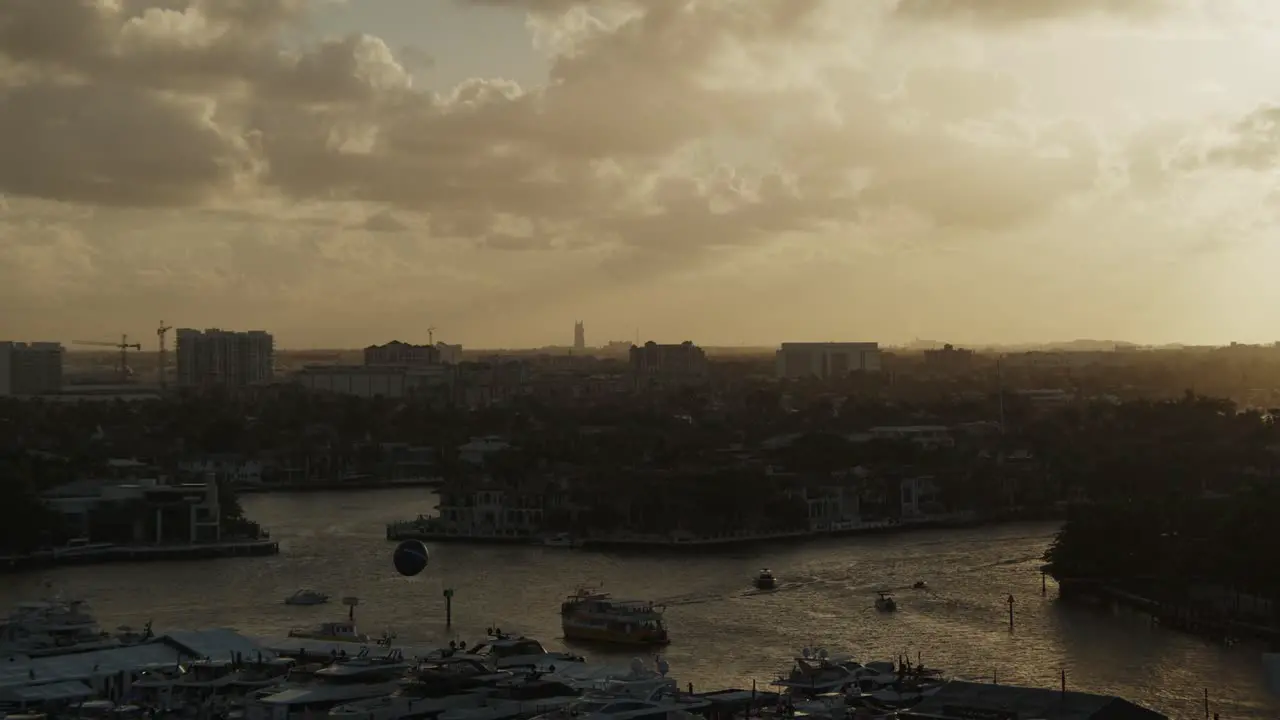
x=517, y=698
x=765, y=580
x=589, y=615
x=504, y=651
x=885, y=602
x=306, y=596
x=920, y=585
x=342, y=631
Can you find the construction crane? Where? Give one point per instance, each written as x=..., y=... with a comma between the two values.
x=124, y=346
x=164, y=356
x=431, y=335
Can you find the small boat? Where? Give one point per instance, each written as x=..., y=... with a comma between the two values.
x=886, y=603
x=307, y=596
x=765, y=580
x=561, y=540
x=921, y=585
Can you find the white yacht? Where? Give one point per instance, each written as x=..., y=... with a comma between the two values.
x=815, y=673
x=517, y=699
x=504, y=651
x=53, y=627
x=307, y=596
x=606, y=707
x=361, y=677
x=436, y=687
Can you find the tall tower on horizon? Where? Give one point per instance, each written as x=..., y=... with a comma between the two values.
x=579, y=336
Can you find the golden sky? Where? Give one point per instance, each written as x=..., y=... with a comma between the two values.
x=342, y=172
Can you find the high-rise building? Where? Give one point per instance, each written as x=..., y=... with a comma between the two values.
x=827, y=360
x=579, y=336
x=30, y=368
x=224, y=357
x=400, y=353
x=654, y=364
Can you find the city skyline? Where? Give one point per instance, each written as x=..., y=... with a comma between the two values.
x=731, y=172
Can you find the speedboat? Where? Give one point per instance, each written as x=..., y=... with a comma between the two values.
x=307, y=596
x=886, y=603
x=765, y=580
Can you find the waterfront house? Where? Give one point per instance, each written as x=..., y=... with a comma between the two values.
x=480, y=449
x=146, y=511
x=225, y=467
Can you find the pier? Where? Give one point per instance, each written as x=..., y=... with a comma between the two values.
x=105, y=553
x=430, y=529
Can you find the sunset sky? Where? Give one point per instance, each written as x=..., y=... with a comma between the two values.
x=342, y=172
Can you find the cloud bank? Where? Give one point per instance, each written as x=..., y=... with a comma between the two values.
x=217, y=159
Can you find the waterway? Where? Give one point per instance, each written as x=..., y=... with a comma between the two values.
x=724, y=632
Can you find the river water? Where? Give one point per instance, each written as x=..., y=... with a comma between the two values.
x=724, y=632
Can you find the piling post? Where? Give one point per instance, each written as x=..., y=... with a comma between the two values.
x=1044, y=587
x=1010, y=601
x=1206, y=704
x=1064, y=682
x=448, y=607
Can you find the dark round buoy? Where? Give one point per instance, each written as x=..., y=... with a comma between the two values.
x=410, y=558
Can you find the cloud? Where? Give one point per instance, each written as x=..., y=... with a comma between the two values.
x=220, y=146
x=1014, y=12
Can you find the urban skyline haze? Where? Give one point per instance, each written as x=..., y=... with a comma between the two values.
x=346, y=172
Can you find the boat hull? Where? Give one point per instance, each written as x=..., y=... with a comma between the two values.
x=612, y=637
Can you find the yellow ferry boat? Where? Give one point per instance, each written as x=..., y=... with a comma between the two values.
x=593, y=616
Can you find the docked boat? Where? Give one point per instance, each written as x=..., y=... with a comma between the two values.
x=503, y=651
x=592, y=616
x=765, y=580
x=885, y=602
x=451, y=683
x=358, y=678
x=517, y=699
x=342, y=631
x=307, y=596
x=660, y=705
x=56, y=627
x=816, y=673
